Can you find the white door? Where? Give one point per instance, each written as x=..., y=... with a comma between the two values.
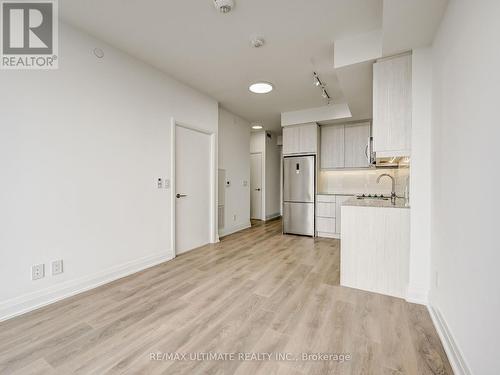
x=192, y=188
x=256, y=186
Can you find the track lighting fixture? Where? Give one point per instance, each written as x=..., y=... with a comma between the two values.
x=318, y=83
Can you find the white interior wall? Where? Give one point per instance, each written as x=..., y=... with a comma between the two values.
x=81, y=149
x=273, y=155
x=258, y=145
x=420, y=176
x=465, y=290
x=234, y=158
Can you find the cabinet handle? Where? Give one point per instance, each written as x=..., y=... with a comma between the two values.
x=367, y=149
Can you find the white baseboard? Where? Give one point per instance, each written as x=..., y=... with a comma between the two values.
x=417, y=295
x=234, y=229
x=28, y=302
x=272, y=216
x=453, y=352
x=328, y=235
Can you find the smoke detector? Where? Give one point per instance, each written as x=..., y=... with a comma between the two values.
x=257, y=42
x=224, y=6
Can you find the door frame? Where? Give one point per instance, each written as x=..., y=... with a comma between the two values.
x=214, y=237
x=262, y=188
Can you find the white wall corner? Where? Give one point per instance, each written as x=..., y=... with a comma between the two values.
x=455, y=356
x=273, y=216
x=417, y=294
x=236, y=228
x=357, y=49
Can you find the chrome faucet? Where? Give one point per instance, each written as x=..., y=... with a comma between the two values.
x=393, y=191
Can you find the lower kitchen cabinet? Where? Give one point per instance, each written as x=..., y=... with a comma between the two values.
x=375, y=249
x=339, y=201
x=328, y=208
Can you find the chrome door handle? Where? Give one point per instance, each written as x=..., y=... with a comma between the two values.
x=181, y=195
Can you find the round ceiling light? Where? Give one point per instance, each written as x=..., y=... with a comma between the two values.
x=261, y=87
x=257, y=126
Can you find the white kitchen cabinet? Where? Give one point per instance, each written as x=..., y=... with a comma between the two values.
x=339, y=200
x=300, y=139
x=357, y=145
x=332, y=147
x=328, y=214
x=325, y=209
x=375, y=249
x=325, y=215
x=392, y=106
x=345, y=146
x=291, y=139
x=325, y=226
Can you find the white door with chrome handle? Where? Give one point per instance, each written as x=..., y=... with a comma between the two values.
x=192, y=189
x=256, y=186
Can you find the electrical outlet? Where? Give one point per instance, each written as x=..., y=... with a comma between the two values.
x=436, y=279
x=57, y=267
x=166, y=183
x=37, y=272
x=234, y=217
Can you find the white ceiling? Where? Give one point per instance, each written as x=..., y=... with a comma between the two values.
x=210, y=51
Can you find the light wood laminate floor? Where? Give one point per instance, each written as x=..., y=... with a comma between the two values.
x=255, y=291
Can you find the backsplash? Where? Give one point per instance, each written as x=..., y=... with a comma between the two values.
x=362, y=181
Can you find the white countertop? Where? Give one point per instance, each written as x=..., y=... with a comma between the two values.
x=400, y=203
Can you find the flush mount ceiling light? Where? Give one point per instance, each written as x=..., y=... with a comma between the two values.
x=261, y=87
x=256, y=126
x=224, y=6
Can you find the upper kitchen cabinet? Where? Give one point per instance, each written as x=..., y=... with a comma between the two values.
x=357, y=145
x=345, y=146
x=332, y=147
x=300, y=139
x=392, y=107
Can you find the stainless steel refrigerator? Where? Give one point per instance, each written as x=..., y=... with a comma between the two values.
x=299, y=176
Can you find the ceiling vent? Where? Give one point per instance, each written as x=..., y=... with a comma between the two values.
x=224, y=6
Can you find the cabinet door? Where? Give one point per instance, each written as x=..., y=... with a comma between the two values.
x=392, y=106
x=340, y=199
x=332, y=147
x=308, y=138
x=356, y=145
x=290, y=140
